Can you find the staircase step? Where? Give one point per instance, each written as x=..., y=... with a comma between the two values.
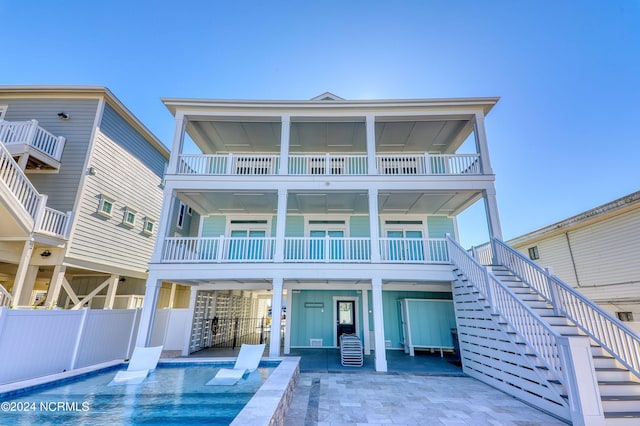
x=621, y=404
x=627, y=388
x=614, y=375
x=622, y=419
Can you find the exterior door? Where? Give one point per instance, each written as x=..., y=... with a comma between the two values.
x=406, y=245
x=241, y=248
x=318, y=249
x=346, y=322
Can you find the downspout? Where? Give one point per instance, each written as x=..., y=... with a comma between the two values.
x=573, y=261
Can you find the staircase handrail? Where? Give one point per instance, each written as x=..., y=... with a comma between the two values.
x=18, y=183
x=615, y=337
x=540, y=337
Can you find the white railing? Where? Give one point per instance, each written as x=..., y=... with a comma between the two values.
x=229, y=164
x=54, y=222
x=5, y=297
x=327, y=249
x=428, y=164
x=217, y=249
x=29, y=133
x=328, y=164
x=17, y=182
x=621, y=342
x=46, y=219
x=484, y=253
x=414, y=250
x=532, y=329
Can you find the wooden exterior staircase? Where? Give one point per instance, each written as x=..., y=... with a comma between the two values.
x=525, y=332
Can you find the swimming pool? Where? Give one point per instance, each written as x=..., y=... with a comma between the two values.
x=175, y=393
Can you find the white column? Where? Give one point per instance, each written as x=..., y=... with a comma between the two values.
x=276, y=315
x=111, y=291
x=378, y=325
x=148, y=310
x=281, y=224
x=287, y=330
x=481, y=144
x=55, y=285
x=21, y=274
x=365, y=321
x=178, y=143
x=193, y=292
x=168, y=201
x=172, y=295
x=284, y=144
x=493, y=218
x=371, y=144
x=374, y=226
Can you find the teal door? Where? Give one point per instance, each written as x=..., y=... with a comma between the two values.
x=317, y=244
x=407, y=245
x=247, y=245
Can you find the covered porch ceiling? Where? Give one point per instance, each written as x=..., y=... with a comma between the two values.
x=333, y=135
x=334, y=202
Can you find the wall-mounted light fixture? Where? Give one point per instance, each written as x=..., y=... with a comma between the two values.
x=45, y=253
x=91, y=171
x=63, y=116
x=123, y=279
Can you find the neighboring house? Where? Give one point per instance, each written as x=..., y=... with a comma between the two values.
x=596, y=252
x=333, y=216
x=80, y=198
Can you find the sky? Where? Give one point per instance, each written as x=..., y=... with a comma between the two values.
x=563, y=138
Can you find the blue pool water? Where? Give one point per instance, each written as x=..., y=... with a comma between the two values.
x=173, y=394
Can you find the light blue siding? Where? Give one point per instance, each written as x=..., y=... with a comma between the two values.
x=359, y=226
x=118, y=129
x=317, y=323
x=440, y=226
x=214, y=226
x=295, y=226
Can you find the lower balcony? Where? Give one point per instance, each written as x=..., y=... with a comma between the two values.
x=303, y=250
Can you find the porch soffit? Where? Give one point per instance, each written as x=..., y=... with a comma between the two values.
x=335, y=135
x=329, y=202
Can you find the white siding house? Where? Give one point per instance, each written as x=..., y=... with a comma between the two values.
x=596, y=252
x=313, y=219
x=73, y=149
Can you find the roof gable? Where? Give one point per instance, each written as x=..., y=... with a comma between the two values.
x=327, y=96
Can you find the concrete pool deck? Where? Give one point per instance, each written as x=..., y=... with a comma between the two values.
x=423, y=390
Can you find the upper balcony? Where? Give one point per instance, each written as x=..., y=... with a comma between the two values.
x=422, y=164
x=33, y=147
x=336, y=138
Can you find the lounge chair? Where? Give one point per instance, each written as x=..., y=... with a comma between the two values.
x=350, y=350
x=143, y=361
x=247, y=361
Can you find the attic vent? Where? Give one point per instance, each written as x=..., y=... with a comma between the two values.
x=327, y=96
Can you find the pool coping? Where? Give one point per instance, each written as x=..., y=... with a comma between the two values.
x=268, y=406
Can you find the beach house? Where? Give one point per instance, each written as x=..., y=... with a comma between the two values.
x=80, y=199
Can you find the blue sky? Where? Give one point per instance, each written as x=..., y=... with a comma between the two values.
x=563, y=138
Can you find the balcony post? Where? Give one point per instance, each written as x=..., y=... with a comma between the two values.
x=371, y=145
x=493, y=219
x=284, y=144
x=168, y=201
x=374, y=226
x=281, y=221
x=481, y=144
x=178, y=143
x=38, y=218
x=378, y=325
x=276, y=317
x=31, y=133
x=229, y=163
x=427, y=164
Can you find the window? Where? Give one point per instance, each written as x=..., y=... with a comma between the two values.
x=181, y=212
x=105, y=207
x=533, y=253
x=148, y=226
x=129, y=217
x=625, y=316
x=3, y=111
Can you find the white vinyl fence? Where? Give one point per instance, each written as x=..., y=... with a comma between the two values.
x=36, y=343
